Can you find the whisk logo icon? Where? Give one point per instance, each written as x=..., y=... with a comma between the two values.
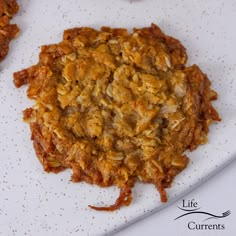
x=190, y=207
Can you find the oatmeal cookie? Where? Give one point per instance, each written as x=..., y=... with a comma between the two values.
x=117, y=107
x=8, y=8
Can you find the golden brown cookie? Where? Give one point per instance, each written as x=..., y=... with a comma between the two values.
x=117, y=107
x=8, y=8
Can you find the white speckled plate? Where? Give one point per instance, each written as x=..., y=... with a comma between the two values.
x=36, y=203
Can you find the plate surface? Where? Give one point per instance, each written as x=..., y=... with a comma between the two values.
x=33, y=202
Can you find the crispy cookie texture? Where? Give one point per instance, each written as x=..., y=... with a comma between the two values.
x=8, y=31
x=117, y=107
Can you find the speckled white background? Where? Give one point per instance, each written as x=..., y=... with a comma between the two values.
x=36, y=203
